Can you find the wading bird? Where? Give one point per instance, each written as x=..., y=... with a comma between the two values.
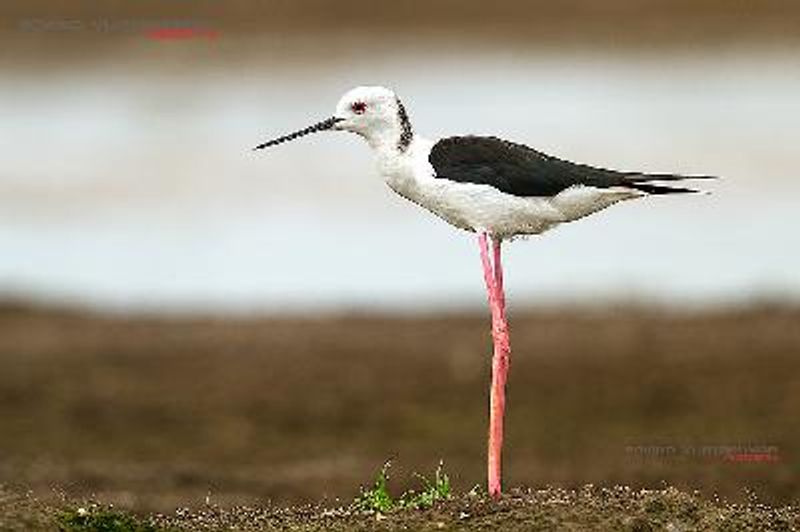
x=493, y=187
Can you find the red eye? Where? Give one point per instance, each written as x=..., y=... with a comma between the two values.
x=358, y=108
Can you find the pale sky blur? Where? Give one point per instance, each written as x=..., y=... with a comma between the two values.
x=134, y=187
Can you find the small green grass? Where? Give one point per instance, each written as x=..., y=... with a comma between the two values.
x=431, y=492
x=378, y=499
x=98, y=519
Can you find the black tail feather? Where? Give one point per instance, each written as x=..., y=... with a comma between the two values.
x=640, y=177
x=647, y=183
x=661, y=189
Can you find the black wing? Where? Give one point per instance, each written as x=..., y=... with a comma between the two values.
x=522, y=171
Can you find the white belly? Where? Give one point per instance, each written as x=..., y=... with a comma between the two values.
x=484, y=208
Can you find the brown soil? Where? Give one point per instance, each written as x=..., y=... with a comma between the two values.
x=153, y=414
x=590, y=508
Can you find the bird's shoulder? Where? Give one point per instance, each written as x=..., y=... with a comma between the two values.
x=474, y=148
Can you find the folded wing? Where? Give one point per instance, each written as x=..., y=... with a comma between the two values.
x=522, y=171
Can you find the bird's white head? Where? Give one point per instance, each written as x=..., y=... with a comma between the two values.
x=375, y=113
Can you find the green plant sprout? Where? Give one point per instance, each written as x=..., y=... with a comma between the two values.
x=378, y=499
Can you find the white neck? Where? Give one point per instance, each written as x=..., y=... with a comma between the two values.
x=385, y=140
x=403, y=169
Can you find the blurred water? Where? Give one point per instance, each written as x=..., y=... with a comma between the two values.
x=135, y=187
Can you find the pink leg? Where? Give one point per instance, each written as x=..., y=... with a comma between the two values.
x=493, y=276
x=498, y=274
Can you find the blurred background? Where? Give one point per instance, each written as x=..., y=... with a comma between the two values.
x=182, y=316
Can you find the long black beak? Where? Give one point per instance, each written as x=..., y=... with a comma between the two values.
x=321, y=126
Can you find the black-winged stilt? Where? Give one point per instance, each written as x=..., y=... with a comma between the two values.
x=493, y=187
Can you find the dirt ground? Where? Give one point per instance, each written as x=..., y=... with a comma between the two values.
x=156, y=413
x=589, y=508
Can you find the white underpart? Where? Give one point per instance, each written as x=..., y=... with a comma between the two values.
x=476, y=207
x=473, y=207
